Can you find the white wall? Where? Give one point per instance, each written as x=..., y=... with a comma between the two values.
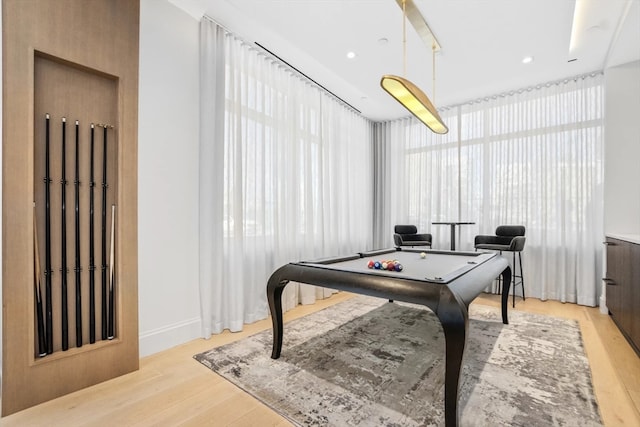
x=622, y=149
x=169, y=311
x=622, y=136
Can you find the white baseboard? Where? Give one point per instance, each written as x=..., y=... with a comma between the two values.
x=169, y=336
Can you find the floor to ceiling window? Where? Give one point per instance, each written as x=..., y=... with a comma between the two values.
x=533, y=157
x=285, y=176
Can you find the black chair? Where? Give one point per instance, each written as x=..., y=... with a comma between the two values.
x=407, y=235
x=508, y=238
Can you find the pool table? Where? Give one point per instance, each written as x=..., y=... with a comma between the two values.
x=444, y=281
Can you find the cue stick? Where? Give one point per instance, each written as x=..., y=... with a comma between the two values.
x=48, y=272
x=112, y=277
x=104, y=234
x=92, y=263
x=42, y=342
x=63, y=236
x=77, y=268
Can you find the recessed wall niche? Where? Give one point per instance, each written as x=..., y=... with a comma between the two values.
x=81, y=104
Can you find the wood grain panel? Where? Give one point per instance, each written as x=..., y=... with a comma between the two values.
x=57, y=58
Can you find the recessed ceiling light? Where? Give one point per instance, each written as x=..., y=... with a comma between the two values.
x=351, y=55
x=527, y=60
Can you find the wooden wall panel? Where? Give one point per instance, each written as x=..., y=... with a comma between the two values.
x=78, y=59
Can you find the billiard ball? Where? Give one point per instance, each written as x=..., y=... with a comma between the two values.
x=423, y=255
x=377, y=265
x=370, y=264
x=398, y=267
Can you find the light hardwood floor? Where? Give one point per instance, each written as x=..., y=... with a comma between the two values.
x=172, y=389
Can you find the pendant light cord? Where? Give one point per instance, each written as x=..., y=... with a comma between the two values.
x=433, y=50
x=404, y=39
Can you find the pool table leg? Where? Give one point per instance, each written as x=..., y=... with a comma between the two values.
x=506, y=284
x=454, y=318
x=274, y=297
x=455, y=322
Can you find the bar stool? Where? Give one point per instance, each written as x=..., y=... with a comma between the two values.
x=508, y=238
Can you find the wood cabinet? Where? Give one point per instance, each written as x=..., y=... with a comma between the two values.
x=623, y=287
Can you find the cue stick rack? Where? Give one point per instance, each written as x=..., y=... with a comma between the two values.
x=74, y=246
x=75, y=185
x=69, y=165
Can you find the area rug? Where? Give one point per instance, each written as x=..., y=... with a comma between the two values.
x=367, y=362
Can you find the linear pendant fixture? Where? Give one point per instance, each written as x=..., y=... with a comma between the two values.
x=405, y=92
x=414, y=100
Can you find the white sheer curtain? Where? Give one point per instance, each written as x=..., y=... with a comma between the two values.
x=416, y=178
x=533, y=157
x=292, y=180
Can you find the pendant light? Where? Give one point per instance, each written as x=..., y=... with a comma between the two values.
x=405, y=92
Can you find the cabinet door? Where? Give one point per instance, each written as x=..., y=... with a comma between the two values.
x=617, y=263
x=626, y=306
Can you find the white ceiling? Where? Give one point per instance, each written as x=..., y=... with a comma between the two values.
x=483, y=43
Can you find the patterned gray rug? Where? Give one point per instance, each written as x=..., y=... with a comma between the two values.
x=367, y=362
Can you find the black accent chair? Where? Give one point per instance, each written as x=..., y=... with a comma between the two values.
x=508, y=238
x=407, y=235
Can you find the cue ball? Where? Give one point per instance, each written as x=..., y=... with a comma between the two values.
x=423, y=255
